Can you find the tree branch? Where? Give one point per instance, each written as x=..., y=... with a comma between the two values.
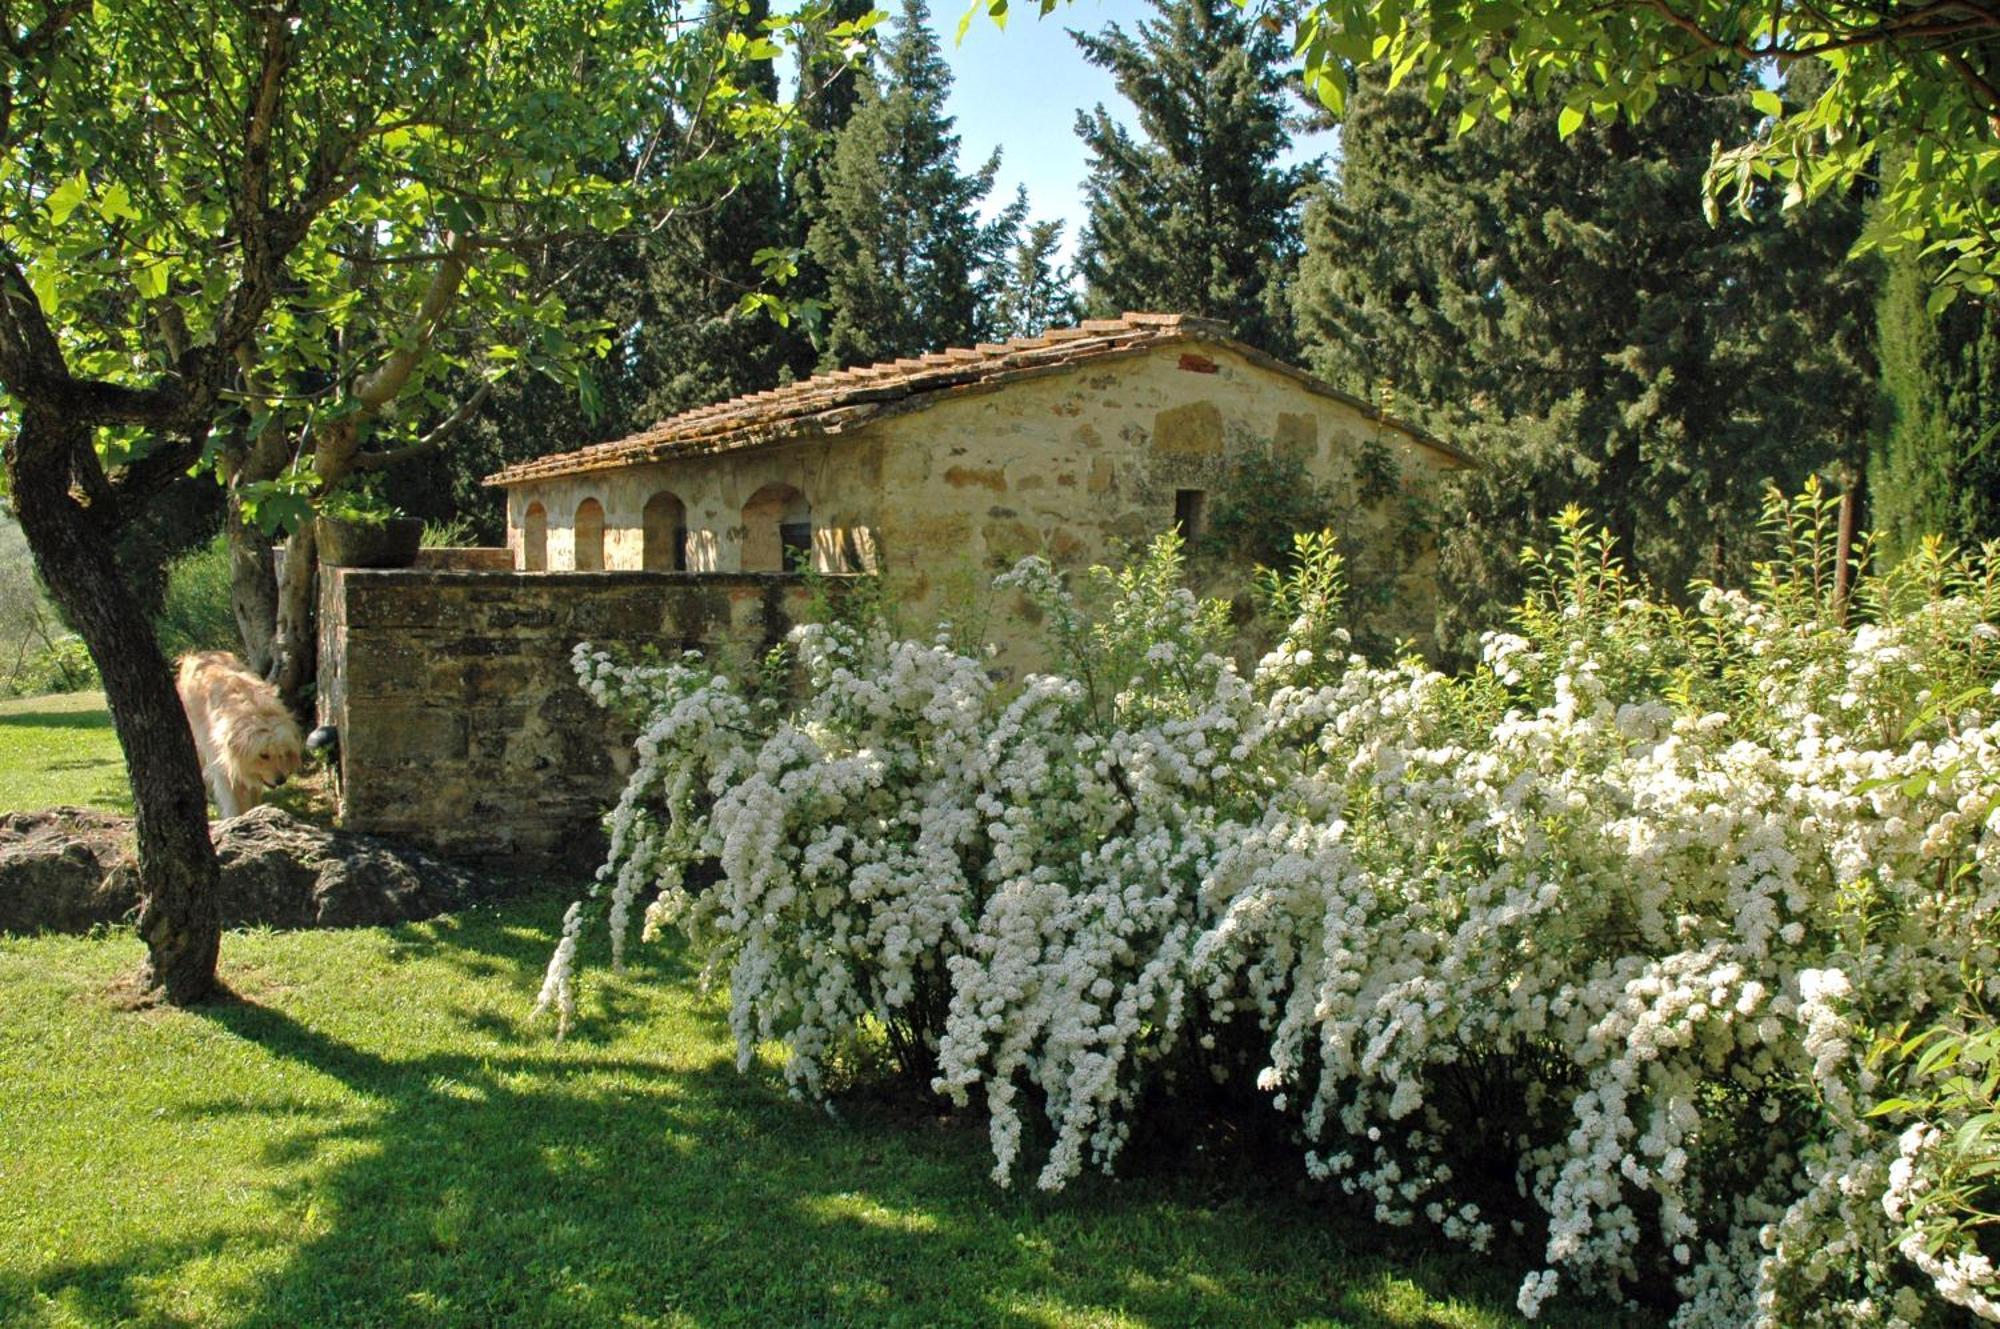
x=431, y=442
x=378, y=389
x=33, y=368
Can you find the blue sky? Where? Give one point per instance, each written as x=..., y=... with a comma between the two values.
x=1019, y=90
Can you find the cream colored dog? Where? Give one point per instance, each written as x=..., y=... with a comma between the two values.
x=247, y=739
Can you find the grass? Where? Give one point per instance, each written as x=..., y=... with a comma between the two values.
x=60, y=749
x=372, y=1134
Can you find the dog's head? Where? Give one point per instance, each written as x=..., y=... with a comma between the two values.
x=266, y=749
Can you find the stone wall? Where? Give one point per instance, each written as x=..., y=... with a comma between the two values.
x=462, y=727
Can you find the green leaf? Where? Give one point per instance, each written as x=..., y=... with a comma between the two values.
x=67, y=197
x=116, y=204
x=1568, y=121
x=1768, y=102
x=151, y=279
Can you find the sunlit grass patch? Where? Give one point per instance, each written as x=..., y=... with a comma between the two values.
x=374, y=1133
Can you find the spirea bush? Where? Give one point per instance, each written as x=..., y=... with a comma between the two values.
x=1597, y=947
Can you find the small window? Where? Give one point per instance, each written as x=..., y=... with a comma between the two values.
x=795, y=538
x=777, y=529
x=1190, y=512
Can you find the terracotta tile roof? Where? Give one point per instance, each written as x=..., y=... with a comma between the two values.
x=839, y=402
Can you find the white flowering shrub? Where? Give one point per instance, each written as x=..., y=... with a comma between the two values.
x=1592, y=947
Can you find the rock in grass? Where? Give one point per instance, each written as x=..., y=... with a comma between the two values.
x=65, y=870
x=69, y=869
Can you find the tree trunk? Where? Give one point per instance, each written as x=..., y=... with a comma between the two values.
x=73, y=552
x=253, y=581
x=296, y=646
x=253, y=591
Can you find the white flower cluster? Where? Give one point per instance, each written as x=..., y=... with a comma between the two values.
x=1620, y=908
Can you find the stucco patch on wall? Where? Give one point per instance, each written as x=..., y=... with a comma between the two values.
x=1190, y=430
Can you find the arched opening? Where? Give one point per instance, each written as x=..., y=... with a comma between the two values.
x=777, y=529
x=535, y=539
x=665, y=525
x=589, y=536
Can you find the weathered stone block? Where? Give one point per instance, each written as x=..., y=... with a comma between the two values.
x=1190, y=430
x=989, y=477
x=383, y=663
x=928, y=536
x=1008, y=540
x=379, y=731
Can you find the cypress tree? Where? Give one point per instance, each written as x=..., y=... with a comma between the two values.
x=1193, y=214
x=908, y=265
x=689, y=345
x=1559, y=308
x=828, y=90
x=1035, y=291
x=1935, y=468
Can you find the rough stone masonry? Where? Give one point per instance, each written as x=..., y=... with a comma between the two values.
x=462, y=726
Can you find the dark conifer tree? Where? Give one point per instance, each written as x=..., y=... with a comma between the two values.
x=1036, y=291
x=828, y=90
x=1193, y=214
x=908, y=264
x=691, y=345
x=1564, y=311
x=1935, y=469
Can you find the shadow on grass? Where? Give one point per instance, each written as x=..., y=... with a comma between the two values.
x=631, y=1175
x=55, y=720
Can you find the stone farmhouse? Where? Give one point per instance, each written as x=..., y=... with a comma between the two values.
x=1079, y=444
x=461, y=723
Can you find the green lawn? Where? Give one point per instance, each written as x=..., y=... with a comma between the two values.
x=60, y=749
x=374, y=1135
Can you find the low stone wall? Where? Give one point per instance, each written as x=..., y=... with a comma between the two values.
x=462, y=727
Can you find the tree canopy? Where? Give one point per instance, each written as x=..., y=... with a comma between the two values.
x=1912, y=82
x=269, y=238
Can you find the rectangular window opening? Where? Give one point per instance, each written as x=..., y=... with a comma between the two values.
x=795, y=540
x=1190, y=513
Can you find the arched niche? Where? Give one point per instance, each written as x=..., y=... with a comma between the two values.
x=664, y=523
x=535, y=539
x=589, y=536
x=777, y=529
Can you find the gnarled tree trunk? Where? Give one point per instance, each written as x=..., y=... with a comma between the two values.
x=253, y=591
x=72, y=548
x=295, y=647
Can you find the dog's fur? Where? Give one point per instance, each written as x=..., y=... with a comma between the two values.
x=248, y=741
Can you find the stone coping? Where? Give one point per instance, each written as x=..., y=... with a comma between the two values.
x=583, y=580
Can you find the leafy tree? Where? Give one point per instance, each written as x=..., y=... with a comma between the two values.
x=1550, y=306
x=1036, y=291
x=909, y=267
x=1911, y=81
x=1935, y=470
x=1194, y=214
x=265, y=239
